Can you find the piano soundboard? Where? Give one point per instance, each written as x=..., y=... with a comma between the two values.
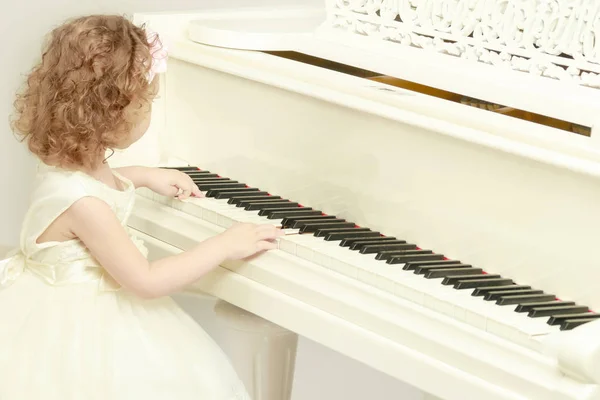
x=229, y=201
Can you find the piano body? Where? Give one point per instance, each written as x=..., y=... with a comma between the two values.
x=465, y=133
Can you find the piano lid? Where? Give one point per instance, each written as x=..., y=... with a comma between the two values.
x=255, y=29
x=537, y=56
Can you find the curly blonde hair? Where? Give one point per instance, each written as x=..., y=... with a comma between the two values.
x=75, y=101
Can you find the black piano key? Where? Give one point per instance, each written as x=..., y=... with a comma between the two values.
x=219, y=185
x=423, y=269
x=203, y=174
x=239, y=195
x=387, y=254
x=524, y=298
x=376, y=248
x=558, y=319
x=242, y=201
x=236, y=193
x=264, y=205
x=297, y=223
x=314, y=226
x=494, y=295
x=342, y=231
x=203, y=179
x=334, y=236
x=279, y=213
x=358, y=245
x=200, y=172
x=289, y=220
x=402, y=259
x=261, y=199
x=305, y=212
x=216, y=192
x=350, y=242
x=483, y=282
x=540, y=304
x=183, y=168
x=451, y=280
x=569, y=324
x=416, y=264
x=443, y=272
x=549, y=311
x=268, y=211
x=484, y=290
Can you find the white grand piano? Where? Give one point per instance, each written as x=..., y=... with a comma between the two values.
x=444, y=158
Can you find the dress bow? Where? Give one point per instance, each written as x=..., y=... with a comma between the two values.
x=11, y=268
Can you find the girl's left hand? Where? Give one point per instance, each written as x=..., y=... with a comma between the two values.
x=173, y=183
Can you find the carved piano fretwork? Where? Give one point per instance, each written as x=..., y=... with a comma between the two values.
x=346, y=109
x=556, y=39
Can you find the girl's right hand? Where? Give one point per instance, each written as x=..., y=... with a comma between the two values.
x=245, y=240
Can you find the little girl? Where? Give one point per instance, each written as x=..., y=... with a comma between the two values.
x=84, y=315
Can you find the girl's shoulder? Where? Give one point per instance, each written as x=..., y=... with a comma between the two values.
x=68, y=186
x=52, y=182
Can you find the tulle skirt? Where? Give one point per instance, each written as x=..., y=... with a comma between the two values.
x=74, y=342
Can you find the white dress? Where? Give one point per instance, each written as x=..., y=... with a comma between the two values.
x=69, y=332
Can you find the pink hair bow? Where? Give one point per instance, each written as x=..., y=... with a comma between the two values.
x=159, y=54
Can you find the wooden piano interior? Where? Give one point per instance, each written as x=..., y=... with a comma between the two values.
x=431, y=91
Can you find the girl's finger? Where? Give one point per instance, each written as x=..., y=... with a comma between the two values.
x=185, y=193
x=196, y=192
x=266, y=245
x=176, y=192
x=268, y=234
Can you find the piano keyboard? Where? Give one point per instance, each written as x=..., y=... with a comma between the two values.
x=456, y=288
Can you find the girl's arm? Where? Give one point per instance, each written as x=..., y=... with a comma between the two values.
x=167, y=182
x=95, y=224
x=136, y=174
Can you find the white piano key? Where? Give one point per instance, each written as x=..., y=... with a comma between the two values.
x=301, y=246
x=323, y=259
x=393, y=279
x=327, y=254
x=405, y=283
x=502, y=321
x=458, y=304
x=220, y=212
x=287, y=245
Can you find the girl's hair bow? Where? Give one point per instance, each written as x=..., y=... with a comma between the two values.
x=159, y=54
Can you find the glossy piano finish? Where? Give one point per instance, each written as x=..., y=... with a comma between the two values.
x=437, y=324
x=508, y=196
x=464, y=199
x=399, y=337
x=329, y=236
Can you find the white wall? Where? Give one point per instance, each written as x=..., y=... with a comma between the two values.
x=321, y=373
x=22, y=27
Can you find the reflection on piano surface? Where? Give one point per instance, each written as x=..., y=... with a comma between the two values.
x=439, y=93
x=437, y=172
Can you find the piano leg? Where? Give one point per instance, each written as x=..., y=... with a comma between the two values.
x=263, y=354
